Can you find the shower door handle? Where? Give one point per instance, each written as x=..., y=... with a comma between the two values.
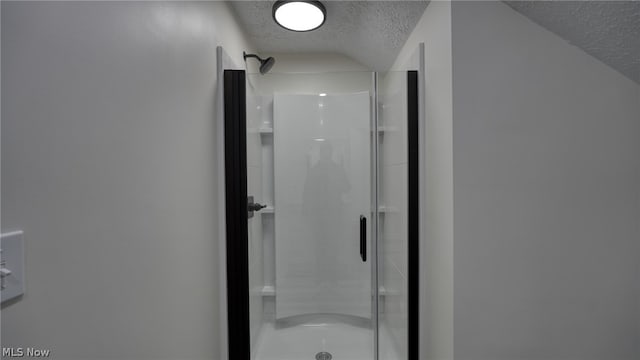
x=363, y=238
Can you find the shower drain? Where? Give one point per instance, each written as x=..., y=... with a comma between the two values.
x=323, y=355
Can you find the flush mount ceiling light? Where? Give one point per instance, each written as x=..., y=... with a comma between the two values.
x=299, y=15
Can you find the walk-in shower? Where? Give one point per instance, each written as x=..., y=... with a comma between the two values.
x=328, y=269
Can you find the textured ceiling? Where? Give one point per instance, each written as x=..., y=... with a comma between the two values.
x=371, y=32
x=608, y=30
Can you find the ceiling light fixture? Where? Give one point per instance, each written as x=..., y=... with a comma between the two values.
x=299, y=15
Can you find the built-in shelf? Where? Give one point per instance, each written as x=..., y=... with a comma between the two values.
x=266, y=131
x=268, y=210
x=269, y=290
x=383, y=291
x=387, y=209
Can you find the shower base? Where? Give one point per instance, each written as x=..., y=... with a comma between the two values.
x=304, y=341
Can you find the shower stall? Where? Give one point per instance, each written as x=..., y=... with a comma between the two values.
x=321, y=199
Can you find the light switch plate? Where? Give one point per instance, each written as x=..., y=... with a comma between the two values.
x=12, y=259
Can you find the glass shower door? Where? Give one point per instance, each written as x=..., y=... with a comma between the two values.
x=302, y=283
x=322, y=211
x=322, y=187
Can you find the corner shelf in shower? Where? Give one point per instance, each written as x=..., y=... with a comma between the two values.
x=382, y=291
x=268, y=290
x=387, y=209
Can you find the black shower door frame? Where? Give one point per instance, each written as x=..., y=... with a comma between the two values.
x=235, y=119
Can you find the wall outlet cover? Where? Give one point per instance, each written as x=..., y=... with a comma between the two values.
x=12, y=259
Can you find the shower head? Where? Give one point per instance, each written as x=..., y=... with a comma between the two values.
x=265, y=64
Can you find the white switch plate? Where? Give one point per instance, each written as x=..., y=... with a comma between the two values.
x=12, y=257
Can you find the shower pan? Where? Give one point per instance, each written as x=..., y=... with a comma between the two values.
x=321, y=186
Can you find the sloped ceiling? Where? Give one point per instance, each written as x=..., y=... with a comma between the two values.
x=607, y=30
x=371, y=32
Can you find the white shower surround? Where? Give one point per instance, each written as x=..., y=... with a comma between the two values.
x=322, y=185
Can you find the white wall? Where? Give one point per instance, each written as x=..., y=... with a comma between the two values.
x=313, y=63
x=310, y=74
x=546, y=176
x=436, y=243
x=547, y=199
x=107, y=147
